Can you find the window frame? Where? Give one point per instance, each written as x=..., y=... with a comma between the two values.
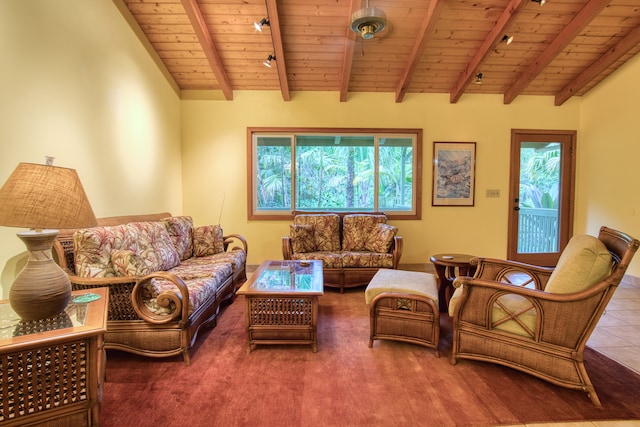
x=254, y=132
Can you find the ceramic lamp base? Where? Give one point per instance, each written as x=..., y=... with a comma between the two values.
x=42, y=289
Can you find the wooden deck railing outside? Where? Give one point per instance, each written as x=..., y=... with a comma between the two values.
x=537, y=230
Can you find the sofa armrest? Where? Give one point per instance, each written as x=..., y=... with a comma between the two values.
x=120, y=288
x=396, y=250
x=287, y=250
x=237, y=239
x=164, y=299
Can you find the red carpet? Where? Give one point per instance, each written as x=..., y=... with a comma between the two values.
x=345, y=383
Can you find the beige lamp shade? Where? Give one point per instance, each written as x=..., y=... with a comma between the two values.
x=43, y=198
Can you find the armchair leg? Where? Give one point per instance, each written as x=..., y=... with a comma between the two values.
x=186, y=356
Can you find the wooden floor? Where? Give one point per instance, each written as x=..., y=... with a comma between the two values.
x=617, y=335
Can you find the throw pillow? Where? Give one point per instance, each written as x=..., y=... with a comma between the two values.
x=357, y=228
x=302, y=238
x=326, y=230
x=380, y=238
x=153, y=245
x=583, y=263
x=208, y=240
x=128, y=263
x=180, y=229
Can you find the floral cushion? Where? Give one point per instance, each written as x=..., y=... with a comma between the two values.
x=380, y=238
x=149, y=240
x=236, y=258
x=326, y=230
x=128, y=263
x=93, y=247
x=329, y=259
x=207, y=240
x=154, y=245
x=366, y=259
x=302, y=238
x=202, y=282
x=180, y=229
x=195, y=270
x=357, y=228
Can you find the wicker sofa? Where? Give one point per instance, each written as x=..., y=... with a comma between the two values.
x=166, y=278
x=351, y=246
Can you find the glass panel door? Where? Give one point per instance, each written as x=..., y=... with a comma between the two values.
x=541, y=195
x=538, y=205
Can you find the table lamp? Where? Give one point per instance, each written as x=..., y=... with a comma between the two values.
x=43, y=198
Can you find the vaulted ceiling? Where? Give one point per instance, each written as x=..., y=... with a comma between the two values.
x=562, y=48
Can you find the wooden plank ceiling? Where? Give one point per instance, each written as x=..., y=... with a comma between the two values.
x=562, y=48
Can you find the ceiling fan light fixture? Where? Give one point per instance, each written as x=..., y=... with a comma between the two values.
x=478, y=79
x=258, y=25
x=368, y=21
x=367, y=31
x=507, y=39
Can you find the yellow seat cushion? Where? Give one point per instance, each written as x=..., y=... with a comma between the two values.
x=401, y=281
x=583, y=263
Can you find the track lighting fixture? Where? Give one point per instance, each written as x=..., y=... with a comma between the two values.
x=271, y=57
x=507, y=39
x=259, y=25
x=542, y=2
x=478, y=79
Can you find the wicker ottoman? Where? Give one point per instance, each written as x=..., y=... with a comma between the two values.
x=404, y=307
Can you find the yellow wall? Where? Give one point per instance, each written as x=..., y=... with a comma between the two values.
x=608, y=192
x=77, y=84
x=214, y=159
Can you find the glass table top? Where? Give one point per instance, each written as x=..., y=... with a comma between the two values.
x=11, y=325
x=287, y=276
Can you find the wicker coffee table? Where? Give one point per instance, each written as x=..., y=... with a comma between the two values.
x=282, y=303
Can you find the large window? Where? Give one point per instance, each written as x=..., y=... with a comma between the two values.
x=334, y=170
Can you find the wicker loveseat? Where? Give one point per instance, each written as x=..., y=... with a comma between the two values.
x=166, y=278
x=351, y=246
x=538, y=319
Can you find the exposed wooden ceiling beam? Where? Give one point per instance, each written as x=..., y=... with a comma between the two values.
x=599, y=65
x=276, y=38
x=573, y=29
x=347, y=57
x=424, y=35
x=204, y=37
x=506, y=18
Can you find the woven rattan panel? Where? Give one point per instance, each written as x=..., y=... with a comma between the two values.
x=280, y=311
x=39, y=380
x=120, y=307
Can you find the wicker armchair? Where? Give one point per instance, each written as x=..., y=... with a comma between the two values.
x=510, y=313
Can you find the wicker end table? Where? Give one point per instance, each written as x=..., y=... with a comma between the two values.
x=448, y=267
x=282, y=303
x=53, y=369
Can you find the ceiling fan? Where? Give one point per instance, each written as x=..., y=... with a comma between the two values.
x=368, y=21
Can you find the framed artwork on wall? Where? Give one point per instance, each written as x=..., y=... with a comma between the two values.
x=454, y=173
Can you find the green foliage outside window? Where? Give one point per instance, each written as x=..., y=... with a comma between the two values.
x=335, y=172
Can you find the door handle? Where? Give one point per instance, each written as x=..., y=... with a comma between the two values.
x=517, y=208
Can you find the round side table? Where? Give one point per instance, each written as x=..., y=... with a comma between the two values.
x=448, y=267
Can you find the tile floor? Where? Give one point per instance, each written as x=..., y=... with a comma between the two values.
x=617, y=335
